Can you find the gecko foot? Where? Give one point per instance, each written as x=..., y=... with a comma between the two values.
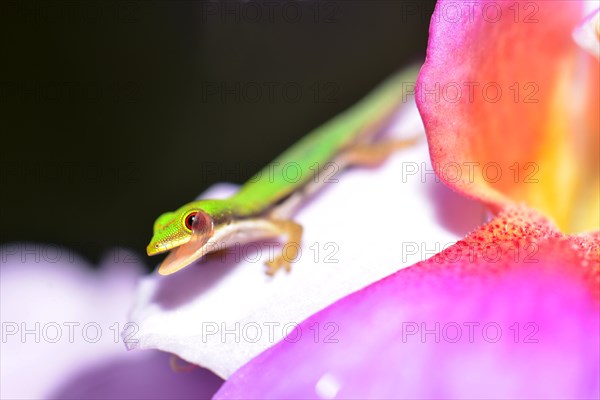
x=275, y=265
x=291, y=249
x=288, y=255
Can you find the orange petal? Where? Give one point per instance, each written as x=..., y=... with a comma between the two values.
x=511, y=107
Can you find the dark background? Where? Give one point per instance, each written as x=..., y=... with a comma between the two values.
x=114, y=112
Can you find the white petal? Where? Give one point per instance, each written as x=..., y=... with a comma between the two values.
x=221, y=313
x=587, y=35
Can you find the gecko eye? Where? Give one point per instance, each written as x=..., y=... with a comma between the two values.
x=189, y=220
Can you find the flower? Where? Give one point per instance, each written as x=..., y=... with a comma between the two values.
x=513, y=310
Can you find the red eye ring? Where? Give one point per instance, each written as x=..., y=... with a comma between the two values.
x=189, y=220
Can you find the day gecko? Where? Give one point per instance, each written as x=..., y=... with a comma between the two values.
x=263, y=207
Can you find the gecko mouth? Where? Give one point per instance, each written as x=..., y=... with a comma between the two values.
x=157, y=248
x=185, y=254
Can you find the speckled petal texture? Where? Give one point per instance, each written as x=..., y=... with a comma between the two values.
x=511, y=311
x=511, y=107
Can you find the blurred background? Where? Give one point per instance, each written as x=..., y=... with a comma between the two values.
x=115, y=112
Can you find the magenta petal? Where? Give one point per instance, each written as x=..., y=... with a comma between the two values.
x=514, y=324
x=145, y=375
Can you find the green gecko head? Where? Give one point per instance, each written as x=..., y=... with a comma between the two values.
x=173, y=229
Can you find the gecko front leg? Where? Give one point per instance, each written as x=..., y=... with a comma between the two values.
x=289, y=252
